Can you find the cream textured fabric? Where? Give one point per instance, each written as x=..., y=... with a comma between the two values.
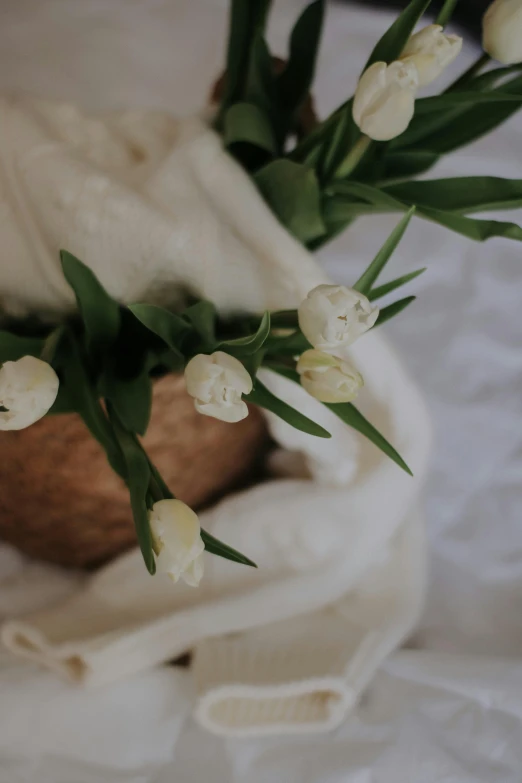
x=338, y=544
x=150, y=203
x=307, y=673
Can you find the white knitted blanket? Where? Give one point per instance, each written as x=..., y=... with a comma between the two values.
x=155, y=205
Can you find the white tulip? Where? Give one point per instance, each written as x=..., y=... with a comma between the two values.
x=217, y=382
x=328, y=378
x=431, y=51
x=502, y=31
x=28, y=389
x=332, y=317
x=384, y=100
x=176, y=536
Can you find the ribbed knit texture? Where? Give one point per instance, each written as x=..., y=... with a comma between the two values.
x=306, y=674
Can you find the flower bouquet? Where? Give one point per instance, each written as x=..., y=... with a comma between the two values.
x=236, y=293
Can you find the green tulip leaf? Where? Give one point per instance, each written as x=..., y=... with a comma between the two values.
x=216, y=547
x=292, y=192
x=260, y=88
x=246, y=346
x=390, y=46
x=13, y=347
x=261, y=396
x=291, y=345
x=130, y=397
x=245, y=19
x=387, y=288
x=479, y=230
x=460, y=194
x=353, y=418
x=393, y=309
x=83, y=398
x=138, y=481
x=464, y=123
x=368, y=278
x=448, y=100
x=403, y=164
x=203, y=317
x=169, y=327
x=245, y=122
x=295, y=81
x=446, y=12
x=99, y=311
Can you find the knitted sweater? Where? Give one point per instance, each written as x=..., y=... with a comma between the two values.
x=336, y=534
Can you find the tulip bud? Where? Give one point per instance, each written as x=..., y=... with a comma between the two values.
x=332, y=317
x=384, y=100
x=177, y=543
x=217, y=382
x=28, y=389
x=328, y=378
x=431, y=51
x=502, y=31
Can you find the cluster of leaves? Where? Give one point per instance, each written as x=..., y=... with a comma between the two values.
x=107, y=356
x=307, y=187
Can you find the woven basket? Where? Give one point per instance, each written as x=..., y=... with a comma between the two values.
x=61, y=502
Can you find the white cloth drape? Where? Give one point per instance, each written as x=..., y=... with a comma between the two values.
x=154, y=204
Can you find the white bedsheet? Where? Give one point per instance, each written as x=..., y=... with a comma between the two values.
x=449, y=711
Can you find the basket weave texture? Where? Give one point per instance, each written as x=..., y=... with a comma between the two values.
x=61, y=502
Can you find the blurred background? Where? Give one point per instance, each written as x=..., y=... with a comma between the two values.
x=467, y=14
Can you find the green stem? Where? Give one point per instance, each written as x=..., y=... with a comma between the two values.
x=353, y=158
x=157, y=487
x=155, y=490
x=446, y=12
x=472, y=71
x=50, y=346
x=284, y=319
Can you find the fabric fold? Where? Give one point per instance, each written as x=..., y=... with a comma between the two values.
x=338, y=546
x=305, y=675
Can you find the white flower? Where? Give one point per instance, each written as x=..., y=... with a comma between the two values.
x=328, y=378
x=502, y=31
x=334, y=316
x=384, y=100
x=431, y=51
x=28, y=389
x=176, y=536
x=217, y=382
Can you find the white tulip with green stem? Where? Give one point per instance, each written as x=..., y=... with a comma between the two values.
x=336, y=173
